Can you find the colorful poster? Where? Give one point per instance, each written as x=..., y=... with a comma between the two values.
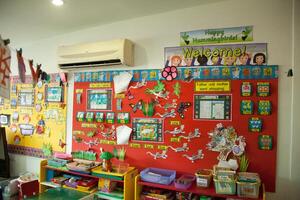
x=204, y=73
x=219, y=35
x=213, y=55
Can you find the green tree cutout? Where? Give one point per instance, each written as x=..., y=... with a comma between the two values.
x=177, y=89
x=158, y=88
x=185, y=38
x=245, y=33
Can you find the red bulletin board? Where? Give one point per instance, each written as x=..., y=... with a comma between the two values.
x=139, y=158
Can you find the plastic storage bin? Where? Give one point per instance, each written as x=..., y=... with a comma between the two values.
x=156, y=175
x=185, y=181
x=203, y=177
x=248, y=185
x=225, y=187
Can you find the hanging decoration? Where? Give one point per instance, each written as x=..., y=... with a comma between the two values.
x=5, y=58
x=21, y=65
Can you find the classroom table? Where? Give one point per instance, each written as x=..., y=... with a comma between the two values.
x=59, y=194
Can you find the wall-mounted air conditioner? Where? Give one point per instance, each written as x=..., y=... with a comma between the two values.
x=113, y=52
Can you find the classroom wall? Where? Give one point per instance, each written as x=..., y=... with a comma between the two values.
x=295, y=150
x=272, y=20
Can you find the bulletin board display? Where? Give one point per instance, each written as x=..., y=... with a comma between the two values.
x=35, y=116
x=244, y=97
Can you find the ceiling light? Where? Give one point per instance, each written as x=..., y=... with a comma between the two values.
x=57, y=2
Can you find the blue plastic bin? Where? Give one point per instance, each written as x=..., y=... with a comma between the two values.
x=156, y=175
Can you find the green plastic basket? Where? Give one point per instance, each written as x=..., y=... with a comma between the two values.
x=225, y=187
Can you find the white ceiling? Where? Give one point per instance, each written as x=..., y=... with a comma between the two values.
x=24, y=21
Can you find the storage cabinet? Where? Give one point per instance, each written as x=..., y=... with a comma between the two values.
x=125, y=179
x=193, y=189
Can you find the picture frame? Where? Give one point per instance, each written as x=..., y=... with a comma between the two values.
x=4, y=120
x=54, y=94
x=147, y=130
x=99, y=99
x=25, y=98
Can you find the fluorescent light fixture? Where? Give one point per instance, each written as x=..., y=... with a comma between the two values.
x=58, y=2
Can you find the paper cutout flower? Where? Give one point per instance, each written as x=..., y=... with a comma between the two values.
x=169, y=73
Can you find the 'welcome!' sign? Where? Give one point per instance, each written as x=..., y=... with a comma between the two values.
x=214, y=55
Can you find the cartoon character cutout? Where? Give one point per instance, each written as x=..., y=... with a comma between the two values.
x=229, y=60
x=176, y=61
x=259, y=59
x=215, y=60
x=202, y=60
x=245, y=59
x=189, y=62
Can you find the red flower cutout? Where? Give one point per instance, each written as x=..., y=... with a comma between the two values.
x=169, y=73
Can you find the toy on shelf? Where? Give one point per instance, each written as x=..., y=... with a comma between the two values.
x=157, y=155
x=195, y=134
x=180, y=149
x=176, y=130
x=225, y=141
x=83, y=166
x=195, y=157
x=106, y=160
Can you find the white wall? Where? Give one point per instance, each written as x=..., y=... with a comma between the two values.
x=272, y=20
x=295, y=150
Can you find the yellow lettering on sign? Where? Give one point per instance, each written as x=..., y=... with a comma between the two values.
x=79, y=90
x=135, y=145
x=175, y=139
x=27, y=86
x=100, y=85
x=26, y=111
x=212, y=86
x=162, y=147
x=149, y=146
x=85, y=125
x=111, y=142
x=175, y=123
x=120, y=96
x=104, y=141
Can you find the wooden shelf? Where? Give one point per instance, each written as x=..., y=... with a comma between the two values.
x=127, y=182
x=50, y=184
x=78, y=173
x=197, y=190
